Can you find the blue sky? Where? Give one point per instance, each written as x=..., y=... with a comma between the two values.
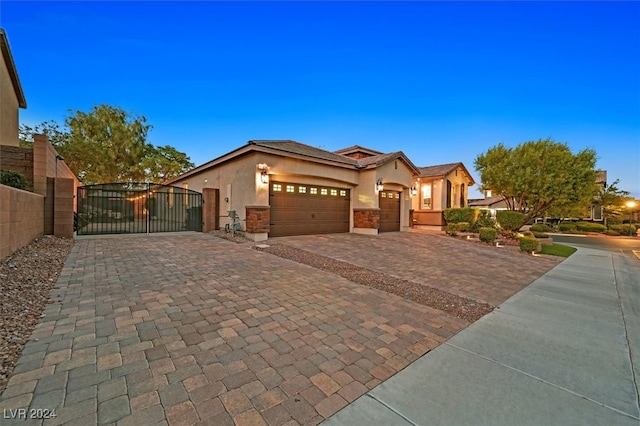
x=442, y=82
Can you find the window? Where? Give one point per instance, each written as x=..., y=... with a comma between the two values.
x=397, y=195
x=302, y=189
x=291, y=188
x=383, y=194
x=343, y=193
x=313, y=191
x=426, y=196
x=334, y=192
x=323, y=191
x=277, y=187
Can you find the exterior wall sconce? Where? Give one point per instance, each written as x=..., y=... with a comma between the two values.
x=414, y=191
x=379, y=185
x=264, y=173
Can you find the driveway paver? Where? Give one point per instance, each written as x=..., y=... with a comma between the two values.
x=189, y=328
x=477, y=271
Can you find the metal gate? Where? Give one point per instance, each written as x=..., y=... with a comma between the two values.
x=123, y=208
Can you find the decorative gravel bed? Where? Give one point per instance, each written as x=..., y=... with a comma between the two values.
x=461, y=307
x=26, y=277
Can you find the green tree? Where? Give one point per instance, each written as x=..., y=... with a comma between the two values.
x=612, y=200
x=537, y=176
x=108, y=144
x=165, y=162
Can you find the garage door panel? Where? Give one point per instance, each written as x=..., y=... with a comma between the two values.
x=311, y=211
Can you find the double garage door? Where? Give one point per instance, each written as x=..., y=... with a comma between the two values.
x=299, y=209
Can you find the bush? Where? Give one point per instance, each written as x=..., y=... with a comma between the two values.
x=13, y=179
x=540, y=227
x=463, y=226
x=488, y=235
x=567, y=227
x=452, y=229
x=465, y=214
x=510, y=220
x=611, y=232
x=590, y=227
x=623, y=229
x=529, y=244
x=484, y=221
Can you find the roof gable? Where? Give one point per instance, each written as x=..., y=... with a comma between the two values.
x=357, y=152
x=293, y=147
x=443, y=170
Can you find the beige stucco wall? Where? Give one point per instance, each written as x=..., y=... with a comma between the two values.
x=9, y=108
x=239, y=181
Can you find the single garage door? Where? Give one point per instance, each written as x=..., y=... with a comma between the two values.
x=389, y=211
x=298, y=209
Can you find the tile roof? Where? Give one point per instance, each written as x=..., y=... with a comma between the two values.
x=439, y=170
x=357, y=148
x=11, y=67
x=485, y=201
x=293, y=147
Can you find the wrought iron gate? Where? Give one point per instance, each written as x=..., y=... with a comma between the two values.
x=122, y=208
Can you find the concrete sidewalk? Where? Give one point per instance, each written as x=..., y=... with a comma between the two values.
x=565, y=350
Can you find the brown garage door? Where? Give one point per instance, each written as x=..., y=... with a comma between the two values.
x=298, y=209
x=389, y=211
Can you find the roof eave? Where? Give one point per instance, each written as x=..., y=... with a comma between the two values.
x=11, y=66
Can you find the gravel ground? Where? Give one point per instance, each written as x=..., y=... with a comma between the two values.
x=461, y=307
x=26, y=277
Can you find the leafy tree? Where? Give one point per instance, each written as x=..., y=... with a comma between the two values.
x=165, y=162
x=612, y=200
x=537, y=176
x=110, y=145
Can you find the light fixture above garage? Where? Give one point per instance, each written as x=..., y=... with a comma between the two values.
x=379, y=185
x=264, y=172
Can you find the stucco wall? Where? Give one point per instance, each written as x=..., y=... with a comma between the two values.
x=21, y=218
x=8, y=108
x=17, y=159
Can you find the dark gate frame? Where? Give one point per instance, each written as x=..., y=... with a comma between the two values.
x=137, y=207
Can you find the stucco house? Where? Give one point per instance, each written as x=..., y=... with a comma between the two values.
x=284, y=187
x=438, y=188
x=489, y=203
x=11, y=96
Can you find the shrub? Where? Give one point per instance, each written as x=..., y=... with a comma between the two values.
x=463, y=226
x=529, y=244
x=540, y=227
x=510, y=220
x=488, y=235
x=452, y=229
x=465, y=214
x=484, y=221
x=528, y=234
x=567, y=227
x=590, y=227
x=14, y=179
x=611, y=232
x=623, y=229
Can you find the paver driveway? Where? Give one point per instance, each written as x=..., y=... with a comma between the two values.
x=191, y=328
x=477, y=271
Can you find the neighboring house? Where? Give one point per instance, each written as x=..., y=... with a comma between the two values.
x=11, y=96
x=438, y=188
x=283, y=187
x=489, y=203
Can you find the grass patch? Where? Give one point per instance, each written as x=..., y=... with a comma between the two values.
x=558, y=250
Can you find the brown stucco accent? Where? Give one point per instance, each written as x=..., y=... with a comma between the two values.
x=366, y=218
